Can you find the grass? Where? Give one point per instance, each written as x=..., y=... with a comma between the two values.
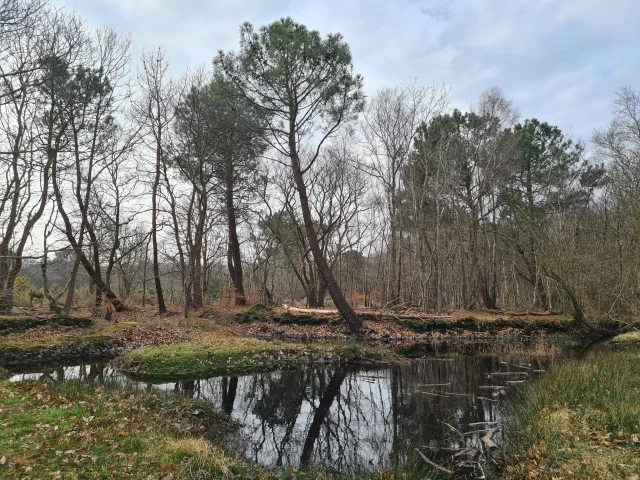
x=580, y=420
x=490, y=324
x=70, y=430
x=17, y=324
x=257, y=313
x=627, y=340
x=44, y=342
x=118, y=326
x=234, y=355
x=57, y=349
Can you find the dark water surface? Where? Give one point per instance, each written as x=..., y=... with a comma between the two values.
x=355, y=421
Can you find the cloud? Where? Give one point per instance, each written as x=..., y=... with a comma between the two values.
x=561, y=62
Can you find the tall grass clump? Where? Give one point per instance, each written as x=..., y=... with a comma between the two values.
x=581, y=418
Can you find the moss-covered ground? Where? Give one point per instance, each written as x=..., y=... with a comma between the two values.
x=214, y=355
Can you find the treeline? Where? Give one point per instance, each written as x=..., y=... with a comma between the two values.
x=271, y=173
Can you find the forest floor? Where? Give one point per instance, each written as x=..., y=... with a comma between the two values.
x=240, y=339
x=580, y=418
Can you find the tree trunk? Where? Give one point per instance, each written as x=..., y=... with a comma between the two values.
x=321, y=293
x=71, y=290
x=162, y=308
x=53, y=305
x=8, y=272
x=196, y=282
x=347, y=312
x=235, y=263
x=95, y=277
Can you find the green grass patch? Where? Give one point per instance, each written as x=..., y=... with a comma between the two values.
x=72, y=430
x=627, y=340
x=580, y=420
x=288, y=318
x=80, y=322
x=487, y=324
x=234, y=356
x=119, y=326
x=257, y=313
x=18, y=324
x=45, y=342
x=59, y=349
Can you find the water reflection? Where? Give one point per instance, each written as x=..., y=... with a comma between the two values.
x=350, y=421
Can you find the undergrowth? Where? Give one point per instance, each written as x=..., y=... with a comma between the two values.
x=580, y=420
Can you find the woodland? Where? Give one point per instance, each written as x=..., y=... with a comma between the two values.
x=258, y=268
x=269, y=176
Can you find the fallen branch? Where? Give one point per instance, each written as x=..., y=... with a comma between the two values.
x=487, y=399
x=433, y=464
x=487, y=439
x=454, y=429
x=432, y=393
x=519, y=366
x=455, y=394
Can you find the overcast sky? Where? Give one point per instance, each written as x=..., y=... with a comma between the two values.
x=560, y=60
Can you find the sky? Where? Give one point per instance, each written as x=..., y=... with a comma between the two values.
x=561, y=61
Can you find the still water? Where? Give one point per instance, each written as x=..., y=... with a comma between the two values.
x=355, y=421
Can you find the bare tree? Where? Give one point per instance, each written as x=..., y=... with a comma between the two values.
x=154, y=109
x=30, y=74
x=390, y=123
x=95, y=142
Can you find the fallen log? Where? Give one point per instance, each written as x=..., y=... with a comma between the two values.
x=371, y=313
x=547, y=313
x=310, y=311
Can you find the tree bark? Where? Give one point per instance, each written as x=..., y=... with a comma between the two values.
x=72, y=280
x=347, y=312
x=235, y=260
x=162, y=308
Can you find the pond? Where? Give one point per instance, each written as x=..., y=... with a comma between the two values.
x=358, y=421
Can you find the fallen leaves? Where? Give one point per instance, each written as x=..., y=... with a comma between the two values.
x=62, y=433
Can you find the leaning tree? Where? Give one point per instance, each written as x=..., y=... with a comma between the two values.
x=306, y=86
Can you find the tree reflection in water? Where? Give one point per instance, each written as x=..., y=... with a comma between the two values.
x=346, y=421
